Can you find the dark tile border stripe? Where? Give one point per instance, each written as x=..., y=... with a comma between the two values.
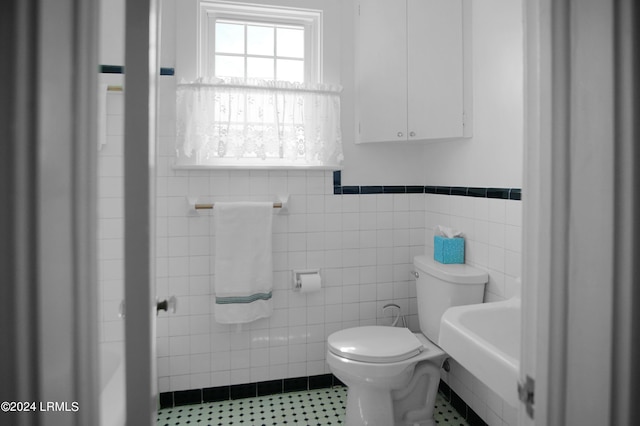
x=443, y=190
x=119, y=69
x=337, y=178
x=296, y=384
x=477, y=192
x=321, y=382
x=415, y=189
x=222, y=393
x=186, y=397
x=458, y=190
x=166, y=399
x=248, y=390
x=350, y=190
x=461, y=407
x=271, y=387
x=502, y=193
x=372, y=189
x=498, y=193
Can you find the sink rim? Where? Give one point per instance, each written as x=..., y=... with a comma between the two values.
x=487, y=357
x=481, y=340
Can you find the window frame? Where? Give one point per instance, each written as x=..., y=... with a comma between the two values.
x=210, y=11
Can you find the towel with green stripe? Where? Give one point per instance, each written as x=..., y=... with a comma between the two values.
x=243, y=265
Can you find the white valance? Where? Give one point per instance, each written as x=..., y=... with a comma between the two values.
x=232, y=122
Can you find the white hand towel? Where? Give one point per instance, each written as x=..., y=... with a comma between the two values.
x=243, y=264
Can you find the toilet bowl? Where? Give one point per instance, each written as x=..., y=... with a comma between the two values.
x=382, y=366
x=392, y=374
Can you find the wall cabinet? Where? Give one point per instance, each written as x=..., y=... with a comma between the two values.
x=412, y=70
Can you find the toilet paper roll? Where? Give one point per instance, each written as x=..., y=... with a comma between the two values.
x=310, y=282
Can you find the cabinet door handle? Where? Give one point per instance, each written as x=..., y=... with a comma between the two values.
x=412, y=134
x=400, y=134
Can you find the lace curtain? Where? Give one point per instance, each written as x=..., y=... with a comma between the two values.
x=263, y=122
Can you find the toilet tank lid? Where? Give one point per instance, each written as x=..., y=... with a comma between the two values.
x=455, y=273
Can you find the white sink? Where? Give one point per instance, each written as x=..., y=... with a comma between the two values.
x=485, y=339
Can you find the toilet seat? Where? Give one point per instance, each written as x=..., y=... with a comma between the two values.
x=375, y=344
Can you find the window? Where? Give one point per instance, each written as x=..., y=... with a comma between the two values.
x=257, y=51
x=259, y=101
x=264, y=42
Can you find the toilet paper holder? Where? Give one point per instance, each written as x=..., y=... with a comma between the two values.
x=297, y=276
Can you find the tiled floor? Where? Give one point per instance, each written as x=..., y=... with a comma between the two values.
x=445, y=414
x=317, y=407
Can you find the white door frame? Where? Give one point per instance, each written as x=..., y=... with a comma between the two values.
x=140, y=103
x=582, y=176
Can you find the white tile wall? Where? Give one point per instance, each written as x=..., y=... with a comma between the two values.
x=493, y=237
x=493, y=242
x=364, y=255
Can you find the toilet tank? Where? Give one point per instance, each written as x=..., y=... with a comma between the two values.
x=441, y=286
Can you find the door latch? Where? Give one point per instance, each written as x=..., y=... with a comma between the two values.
x=168, y=305
x=526, y=392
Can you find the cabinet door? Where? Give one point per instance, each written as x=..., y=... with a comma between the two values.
x=381, y=71
x=435, y=69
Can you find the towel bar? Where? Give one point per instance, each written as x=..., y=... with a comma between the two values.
x=204, y=206
x=282, y=204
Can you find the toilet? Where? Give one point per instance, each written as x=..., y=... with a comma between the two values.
x=393, y=374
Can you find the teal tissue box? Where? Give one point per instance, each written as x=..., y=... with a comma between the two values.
x=448, y=250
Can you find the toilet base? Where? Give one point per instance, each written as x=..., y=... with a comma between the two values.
x=366, y=406
x=412, y=405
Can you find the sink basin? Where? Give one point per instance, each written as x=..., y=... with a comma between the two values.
x=485, y=339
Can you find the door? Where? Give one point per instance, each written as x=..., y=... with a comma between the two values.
x=435, y=69
x=47, y=211
x=580, y=253
x=381, y=71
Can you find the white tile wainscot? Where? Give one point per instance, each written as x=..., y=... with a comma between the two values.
x=493, y=232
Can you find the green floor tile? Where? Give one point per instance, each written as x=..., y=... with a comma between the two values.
x=317, y=407
x=445, y=414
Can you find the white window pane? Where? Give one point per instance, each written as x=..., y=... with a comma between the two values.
x=260, y=68
x=260, y=40
x=290, y=70
x=290, y=42
x=229, y=38
x=229, y=66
